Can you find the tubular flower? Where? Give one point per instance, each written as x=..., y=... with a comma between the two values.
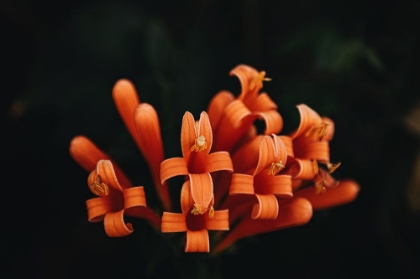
x=255, y=179
x=115, y=201
x=197, y=162
x=259, y=183
x=236, y=116
x=195, y=225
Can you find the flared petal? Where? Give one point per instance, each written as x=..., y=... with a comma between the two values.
x=293, y=212
x=188, y=135
x=262, y=103
x=266, y=208
x=302, y=169
x=172, y=167
x=197, y=241
x=288, y=143
x=273, y=121
x=245, y=159
x=219, y=221
x=105, y=169
x=134, y=196
x=87, y=155
x=308, y=119
x=279, y=185
x=241, y=184
x=330, y=129
x=126, y=100
x=115, y=225
x=173, y=222
x=280, y=150
x=150, y=144
x=344, y=193
x=318, y=150
x=236, y=112
x=218, y=161
x=187, y=201
x=267, y=154
x=201, y=186
x=204, y=129
x=217, y=107
x=98, y=207
x=246, y=76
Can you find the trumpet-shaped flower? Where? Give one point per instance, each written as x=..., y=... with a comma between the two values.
x=234, y=117
x=197, y=162
x=115, y=201
x=196, y=226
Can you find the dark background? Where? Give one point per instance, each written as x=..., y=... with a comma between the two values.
x=354, y=61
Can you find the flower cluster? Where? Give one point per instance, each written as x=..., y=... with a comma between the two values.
x=236, y=181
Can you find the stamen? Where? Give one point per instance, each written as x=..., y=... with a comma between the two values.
x=211, y=212
x=200, y=144
x=320, y=188
x=196, y=210
x=275, y=167
x=332, y=167
x=258, y=80
x=315, y=166
x=320, y=130
x=99, y=188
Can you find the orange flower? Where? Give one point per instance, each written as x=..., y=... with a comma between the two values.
x=234, y=117
x=196, y=225
x=256, y=167
x=197, y=162
x=142, y=122
x=115, y=201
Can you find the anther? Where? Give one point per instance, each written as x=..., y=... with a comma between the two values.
x=315, y=166
x=200, y=144
x=332, y=167
x=320, y=130
x=258, y=80
x=275, y=168
x=99, y=188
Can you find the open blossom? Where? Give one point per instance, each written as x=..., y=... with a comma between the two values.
x=257, y=183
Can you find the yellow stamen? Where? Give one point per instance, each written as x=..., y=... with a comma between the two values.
x=320, y=130
x=275, y=168
x=99, y=188
x=211, y=212
x=258, y=80
x=315, y=166
x=320, y=188
x=200, y=144
x=196, y=209
x=332, y=167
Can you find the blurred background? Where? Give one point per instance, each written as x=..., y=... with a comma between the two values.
x=354, y=61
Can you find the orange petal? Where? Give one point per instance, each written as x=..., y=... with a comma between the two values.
x=172, y=167
x=87, y=155
x=288, y=143
x=280, y=150
x=197, y=241
x=344, y=193
x=150, y=144
x=105, y=169
x=241, y=184
x=308, y=119
x=98, y=207
x=126, y=100
x=273, y=121
x=204, y=129
x=134, y=196
x=173, y=222
x=302, y=169
x=245, y=159
x=186, y=199
x=219, y=221
x=115, y=225
x=318, y=150
x=217, y=106
x=293, y=212
x=279, y=185
x=330, y=129
x=218, y=161
x=236, y=112
x=188, y=135
x=201, y=186
x=262, y=103
x=245, y=75
x=267, y=154
x=266, y=208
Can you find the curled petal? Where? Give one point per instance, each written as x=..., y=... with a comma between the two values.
x=218, y=161
x=219, y=221
x=267, y=154
x=197, y=241
x=204, y=129
x=303, y=169
x=344, y=193
x=173, y=222
x=126, y=100
x=186, y=199
x=241, y=184
x=188, y=135
x=330, y=129
x=266, y=208
x=246, y=75
x=105, y=169
x=97, y=208
x=134, y=196
x=262, y=103
x=288, y=143
x=279, y=185
x=273, y=121
x=245, y=159
x=201, y=186
x=172, y=167
x=308, y=119
x=115, y=225
x=236, y=112
x=87, y=155
x=217, y=106
x=319, y=150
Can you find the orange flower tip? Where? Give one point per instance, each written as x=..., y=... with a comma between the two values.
x=200, y=144
x=332, y=167
x=318, y=130
x=275, y=168
x=258, y=80
x=315, y=166
x=99, y=188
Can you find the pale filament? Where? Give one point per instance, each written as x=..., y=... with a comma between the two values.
x=200, y=144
